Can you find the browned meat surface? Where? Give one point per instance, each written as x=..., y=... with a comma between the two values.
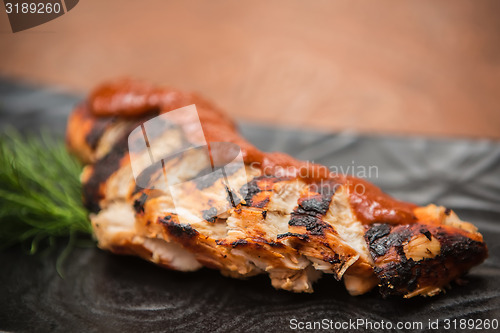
x=291, y=226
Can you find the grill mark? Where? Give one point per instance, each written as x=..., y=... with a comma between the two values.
x=105, y=167
x=99, y=126
x=177, y=230
x=293, y=234
x=313, y=225
x=251, y=189
x=312, y=208
x=146, y=176
x=255, y=242
x=101, y=171
x=211, y=175
x=232, y=197
x=139, y=203
x=209, y=178
x=151, y=174
x=257, y=185
x=239, y=242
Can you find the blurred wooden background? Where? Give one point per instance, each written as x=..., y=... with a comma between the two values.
x=404, y=67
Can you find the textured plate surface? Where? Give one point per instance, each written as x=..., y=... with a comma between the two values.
x=105, y=292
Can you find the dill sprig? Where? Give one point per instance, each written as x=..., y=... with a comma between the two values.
x=40, y=192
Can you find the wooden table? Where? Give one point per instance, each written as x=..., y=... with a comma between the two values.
x=418, y=67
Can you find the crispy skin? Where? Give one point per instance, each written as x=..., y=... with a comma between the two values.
x=292, y=228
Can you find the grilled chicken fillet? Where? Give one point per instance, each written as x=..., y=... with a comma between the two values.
x=292, y=220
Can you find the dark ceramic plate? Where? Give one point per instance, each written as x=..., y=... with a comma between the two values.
x=105, y=292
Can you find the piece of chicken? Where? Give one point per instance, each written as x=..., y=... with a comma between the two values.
x=290, y=224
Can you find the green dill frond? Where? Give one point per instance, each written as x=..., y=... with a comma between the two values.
x=40, y=191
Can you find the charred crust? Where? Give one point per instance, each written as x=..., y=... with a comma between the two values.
x=447, y=212
x=239, y=242
x=398, y=278
x=399, y=275
x=313, y=206
x=380, y=239
x=250, y=189
x=257, y=204
x=413, y=282
x=317, y=204
x=310, y=209
x=377, y=231
x=293, y=234
x=232, y=197
x=268, y=242
x=210, y=215
x=264, y=214
x=178, y=230
x=460, y=247
x=332, y=259
x=139, y=203
x=426, y=233
x=257, y=242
